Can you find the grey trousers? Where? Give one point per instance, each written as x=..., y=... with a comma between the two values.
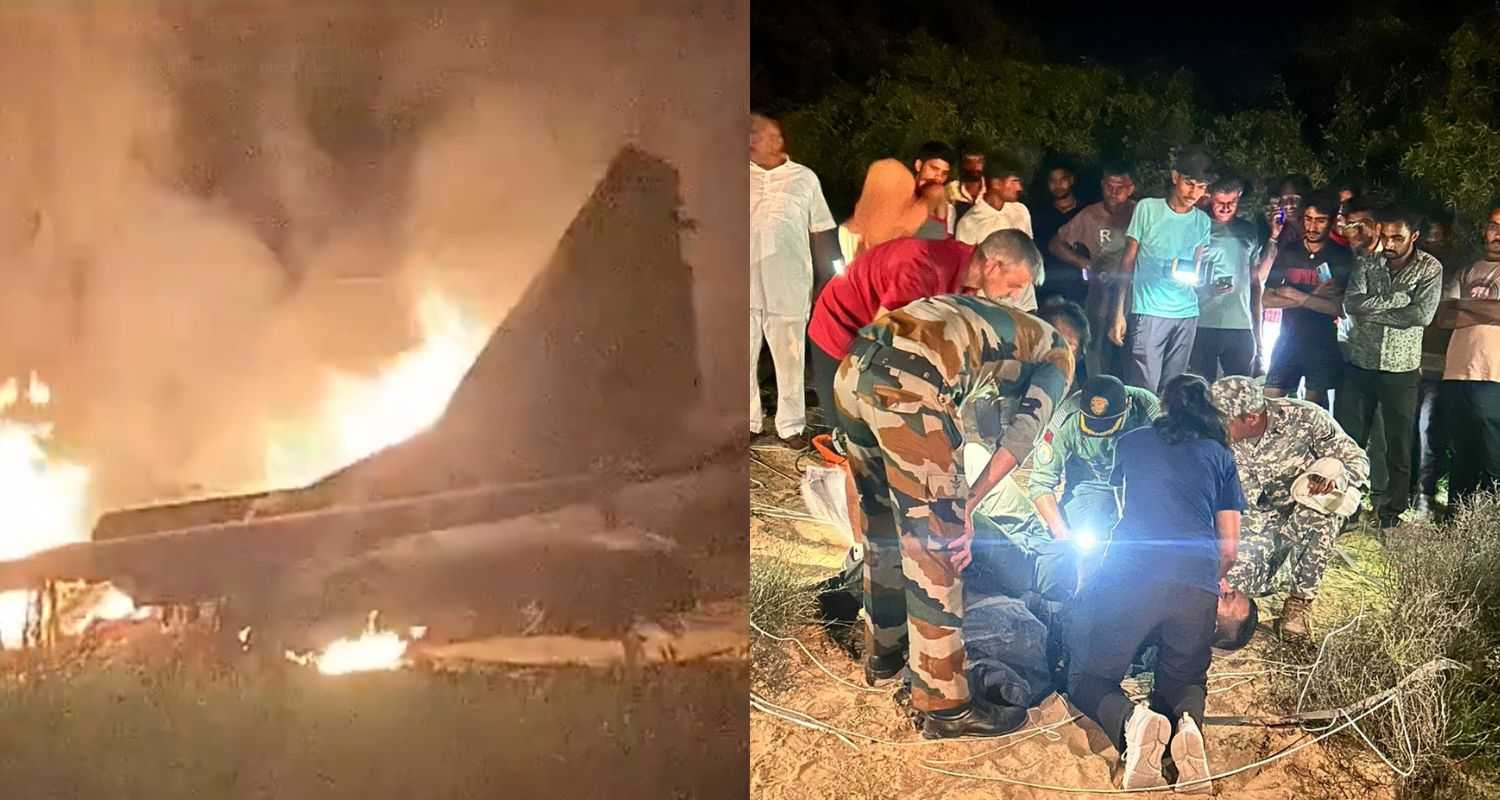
x=1157, y=349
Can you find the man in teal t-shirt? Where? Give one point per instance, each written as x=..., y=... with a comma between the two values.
x=1166, y=247
x=1227, y=337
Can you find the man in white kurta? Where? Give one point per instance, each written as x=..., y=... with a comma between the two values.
x=786, y=208
x=999, y=209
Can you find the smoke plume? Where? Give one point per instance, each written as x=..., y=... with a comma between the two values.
x=207, y=207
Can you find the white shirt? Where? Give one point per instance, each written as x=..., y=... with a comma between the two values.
x=983, y=220
x=786, y=206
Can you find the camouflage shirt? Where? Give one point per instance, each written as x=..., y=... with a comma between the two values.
x=981, y=348
x=1389, y=310
x=1066, y=451
x=1297, y=434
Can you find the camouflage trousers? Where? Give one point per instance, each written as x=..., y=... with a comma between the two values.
x=1269, y=538
x=903, y=444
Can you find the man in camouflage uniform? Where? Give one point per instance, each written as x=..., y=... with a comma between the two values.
x=1275, y=442
x=1077, y=455
x=898, y=393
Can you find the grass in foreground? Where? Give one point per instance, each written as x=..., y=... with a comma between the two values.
x=175, y=733
x=1430, y=593
x=781, y=603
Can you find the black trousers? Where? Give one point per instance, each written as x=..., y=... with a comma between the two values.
x=1431, y=452
x=1473, y=414
x=1226, y=348
x=1394, y=395
x=1111, y=619
x=824, y=368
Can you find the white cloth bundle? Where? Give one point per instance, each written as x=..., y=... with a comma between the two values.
x=1343, y=501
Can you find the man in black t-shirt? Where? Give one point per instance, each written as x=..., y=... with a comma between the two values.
x=1062, y=278
x=1306, y=280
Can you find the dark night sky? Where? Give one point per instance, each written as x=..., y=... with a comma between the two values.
x=1235, y=56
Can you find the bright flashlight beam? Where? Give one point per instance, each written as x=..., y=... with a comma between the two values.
x=1085, y=541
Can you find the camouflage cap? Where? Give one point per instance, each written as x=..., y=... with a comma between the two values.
x=1236, y=396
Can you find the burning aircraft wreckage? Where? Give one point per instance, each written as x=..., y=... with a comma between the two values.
x=554, y=508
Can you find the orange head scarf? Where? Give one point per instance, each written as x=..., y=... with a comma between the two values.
x=888, y=206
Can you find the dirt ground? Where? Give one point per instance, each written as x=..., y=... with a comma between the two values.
x=790, y=761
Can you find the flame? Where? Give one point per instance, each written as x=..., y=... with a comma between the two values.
x=38, y=393
x=361, y=415
x=372, y=651
x=45, y=499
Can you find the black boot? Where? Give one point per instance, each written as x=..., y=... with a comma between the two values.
x=881, y=667
x=979, y=718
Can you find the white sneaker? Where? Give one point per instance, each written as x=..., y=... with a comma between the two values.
x=1146, y=736
x=1191, y=756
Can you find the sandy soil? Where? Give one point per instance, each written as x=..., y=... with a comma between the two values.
x=792, y=762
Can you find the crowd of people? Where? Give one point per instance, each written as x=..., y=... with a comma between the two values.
x=1186, y=422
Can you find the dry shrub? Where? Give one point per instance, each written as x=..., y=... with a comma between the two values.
x=782, y=601
x=1438, y=602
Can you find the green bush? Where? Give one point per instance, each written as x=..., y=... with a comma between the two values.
x=1423, y=127
x=781, y=603
x=1437, y=597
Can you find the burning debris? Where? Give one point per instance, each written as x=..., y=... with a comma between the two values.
x=374, y=650
x=542, y=469
x=46, y=501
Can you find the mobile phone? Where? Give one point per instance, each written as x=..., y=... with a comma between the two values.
x=1224, y=281
x=1281, y=215
x=1324, y=273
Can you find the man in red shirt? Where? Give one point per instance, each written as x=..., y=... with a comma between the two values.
x=887, y=277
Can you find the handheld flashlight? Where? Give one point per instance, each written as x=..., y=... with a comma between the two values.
x=1085, y=540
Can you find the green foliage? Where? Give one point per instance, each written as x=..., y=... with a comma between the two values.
x=1430, y=598
x=1420, y=123
x=1026, y=111
x=782, y=601
x=1458, y=154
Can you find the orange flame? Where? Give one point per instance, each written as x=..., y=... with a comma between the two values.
x=361, y=415
x=45, y=499
x=374, y=650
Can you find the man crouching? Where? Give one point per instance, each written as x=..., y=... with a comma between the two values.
x=1302, y=477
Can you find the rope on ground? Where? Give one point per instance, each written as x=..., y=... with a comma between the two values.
x=1351, y=715
x=1322, y=648
x=815, y=659
x=1411, y=756
x=777, y=512
x=1048, y=731
x=809, y=721
x=1424, y=672
x=798, y=718
x=757, y=460
x=1283, y=753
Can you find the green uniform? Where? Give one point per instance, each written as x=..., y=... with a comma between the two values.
x=1080, y=465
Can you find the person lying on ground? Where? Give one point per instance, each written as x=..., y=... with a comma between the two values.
x=1163, y=578
x=898, y=392
x=1302, y=477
